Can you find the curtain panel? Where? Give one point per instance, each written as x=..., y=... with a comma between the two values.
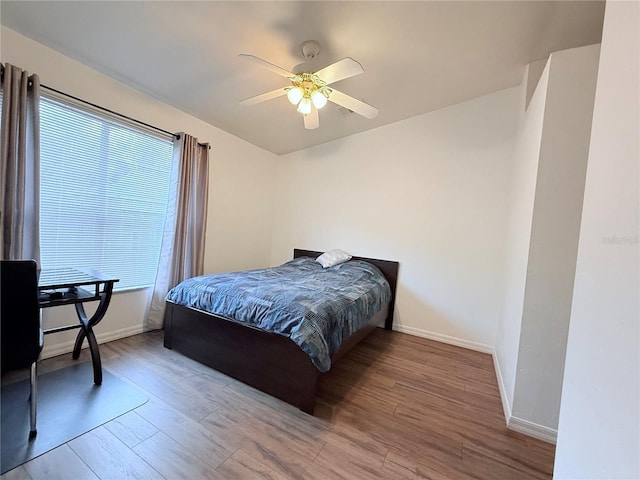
x=182, y=251
x=20, y=169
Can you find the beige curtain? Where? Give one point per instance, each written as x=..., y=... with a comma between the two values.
x=182, y=252
x=20, y=170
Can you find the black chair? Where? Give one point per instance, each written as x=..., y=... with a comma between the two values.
x=21, y=334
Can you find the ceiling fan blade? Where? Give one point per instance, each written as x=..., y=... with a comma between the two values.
x=269, y=66
x=345, y=68
x=264, y=96
x=353, y=104
x=311, y=120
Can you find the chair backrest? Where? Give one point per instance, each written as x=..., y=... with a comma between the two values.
x=19, y=314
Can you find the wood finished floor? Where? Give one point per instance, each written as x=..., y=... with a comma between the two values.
x=396, y=407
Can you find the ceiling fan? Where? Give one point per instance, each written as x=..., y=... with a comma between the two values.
x=310, y=90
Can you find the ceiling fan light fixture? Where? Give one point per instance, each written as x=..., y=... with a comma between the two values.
x=295, y=95
x=319, y=99
x=309, y=90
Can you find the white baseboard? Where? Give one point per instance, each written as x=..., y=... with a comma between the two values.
x=506, y=407
x=540, y=432
x=514, y=423
x=56, y=349
x=439, y=337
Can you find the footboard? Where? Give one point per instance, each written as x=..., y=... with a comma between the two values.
x=269, y=362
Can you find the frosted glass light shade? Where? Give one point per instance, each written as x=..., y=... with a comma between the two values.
x=318, y=99
x=294, y=95
x=304, y=106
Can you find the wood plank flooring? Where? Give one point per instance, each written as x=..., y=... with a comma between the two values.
x=395, y=407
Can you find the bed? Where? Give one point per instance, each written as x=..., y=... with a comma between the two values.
x=270, y=362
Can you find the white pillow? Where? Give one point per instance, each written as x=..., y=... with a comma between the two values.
x=333, y=257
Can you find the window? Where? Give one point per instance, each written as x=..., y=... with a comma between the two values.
x=104, y=187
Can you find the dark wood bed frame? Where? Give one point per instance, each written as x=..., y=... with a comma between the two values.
x=269, y=362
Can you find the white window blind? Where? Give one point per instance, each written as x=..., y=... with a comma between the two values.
x=103, y=193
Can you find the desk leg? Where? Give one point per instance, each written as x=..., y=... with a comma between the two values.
x=78, y=345
x=87, y=332
x=95, y=357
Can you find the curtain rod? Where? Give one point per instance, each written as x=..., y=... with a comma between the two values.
x=110, y=111
x=153, y=127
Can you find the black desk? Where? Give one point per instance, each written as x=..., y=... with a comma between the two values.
x=74, y=286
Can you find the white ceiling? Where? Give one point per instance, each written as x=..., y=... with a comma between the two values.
x=417, y=56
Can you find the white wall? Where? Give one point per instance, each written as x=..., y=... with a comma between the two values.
x=555, y=229
x=521, y=200
x=599, y=427
x=547, y=188
x=241, y=198
x=429, y=192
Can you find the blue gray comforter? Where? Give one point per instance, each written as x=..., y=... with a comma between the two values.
x=318, y=308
